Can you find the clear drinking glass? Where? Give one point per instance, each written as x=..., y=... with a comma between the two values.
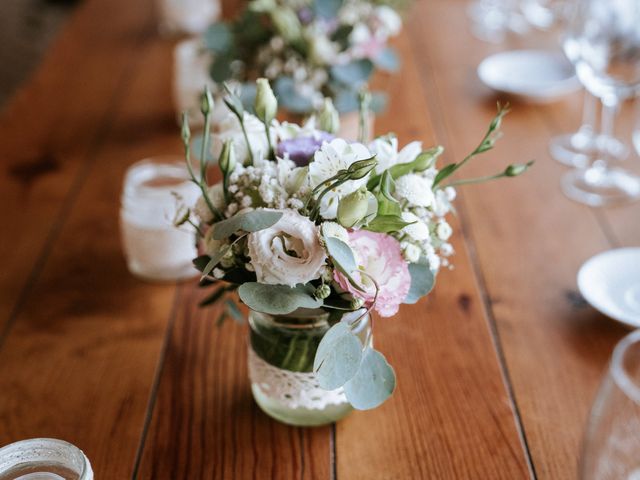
x=604, y=40
x=612, y=442
x=493, y=19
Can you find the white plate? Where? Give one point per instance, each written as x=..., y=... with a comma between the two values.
x=538, y=76
x=610, y=282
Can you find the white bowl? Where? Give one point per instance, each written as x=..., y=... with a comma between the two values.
x=610, y=282
x=536, y=76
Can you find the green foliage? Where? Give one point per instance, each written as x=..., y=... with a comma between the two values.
x=373, y=383
x=327, y=8
x=288, y=96
x=387, y=60
x=387, y=224
x=218, y=38
x=248, y=222
x=353, y=74
x=422, y=281
x=277, y=299
x=338, y=357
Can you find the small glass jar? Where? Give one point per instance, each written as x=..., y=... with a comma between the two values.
x=44, y=459
x=190, y=17
x=153, y=191
x=281, y=353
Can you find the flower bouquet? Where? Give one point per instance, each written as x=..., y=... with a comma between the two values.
x=316, y=233
x=309, y=49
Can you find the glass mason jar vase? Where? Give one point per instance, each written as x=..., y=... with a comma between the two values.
x=282, y=349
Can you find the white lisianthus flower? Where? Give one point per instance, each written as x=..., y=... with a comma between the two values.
x=416, y=189
x=201, y=208
x=418, y=230
x=332, y=157
x=387, y=155
x=287, y=253
x=335, y=230
x=230, y=129
x=443, y=230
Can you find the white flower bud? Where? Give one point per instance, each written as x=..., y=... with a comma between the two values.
x=266, y=105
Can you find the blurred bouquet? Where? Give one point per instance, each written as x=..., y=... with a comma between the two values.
x=309, y=49
x=302, y=219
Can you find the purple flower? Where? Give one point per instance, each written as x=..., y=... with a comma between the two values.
x=305, y=15
x=301, y=150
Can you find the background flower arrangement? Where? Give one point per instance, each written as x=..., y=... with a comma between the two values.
x=304, y=220
x=309, y=49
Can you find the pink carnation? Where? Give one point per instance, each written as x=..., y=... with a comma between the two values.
x=379, y=256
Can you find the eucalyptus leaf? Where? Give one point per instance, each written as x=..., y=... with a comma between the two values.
x=289, y=97
x=233, y=310
x=341, y=255
x=338, y=357
x=387, y=224
x=387, y=60
x=220, y=69
x=196, y=148
x=422, y=282
x=218, y=38
x=249, y=222
x=277, y=299
x=215, y=260
x=327, y=8
x=374, y=382
x=355, y=73
x=214, y=297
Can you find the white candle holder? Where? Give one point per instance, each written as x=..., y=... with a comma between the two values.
x=153, y=191
x=44, y=459
x=187, y=16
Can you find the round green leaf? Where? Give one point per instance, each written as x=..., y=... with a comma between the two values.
x=372, y=384
x=338, y=357
x=422, y=281
x=277, y=299
x=248, y=222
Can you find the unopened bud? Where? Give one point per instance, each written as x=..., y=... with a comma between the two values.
x=427, y=159
x=206, y=101
x=287, y=23
x=353, y=208
x=322, y=292
x=186, y=131
x=266, y=105
x=227, y=160
x=361, y=168
x=328, y=118
x=356, y=303
x=517, y=169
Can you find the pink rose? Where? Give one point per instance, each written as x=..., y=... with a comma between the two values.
x=379, y=256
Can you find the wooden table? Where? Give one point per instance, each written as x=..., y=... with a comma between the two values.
x=496, y=369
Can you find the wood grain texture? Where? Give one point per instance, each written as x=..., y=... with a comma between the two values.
x=80, y=360
x=530, y=241
x=451, y=416
x=205, y=423
x=50, y=130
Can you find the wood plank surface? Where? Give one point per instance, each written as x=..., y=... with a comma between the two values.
x=530, y=241
x=51, y=130
x=450, y=418
x=80, y=361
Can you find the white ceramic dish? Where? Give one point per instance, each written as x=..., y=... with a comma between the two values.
x=610, y=282
x=536, y=76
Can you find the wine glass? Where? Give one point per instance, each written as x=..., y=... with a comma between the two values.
x=604, y=39
x=611, y=447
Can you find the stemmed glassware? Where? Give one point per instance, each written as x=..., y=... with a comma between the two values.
x=612, y=442
x=604, y=43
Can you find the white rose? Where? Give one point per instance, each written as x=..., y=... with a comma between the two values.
x=332, y=157
x=287, y=253
x=230, y=129
x=201, y=208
